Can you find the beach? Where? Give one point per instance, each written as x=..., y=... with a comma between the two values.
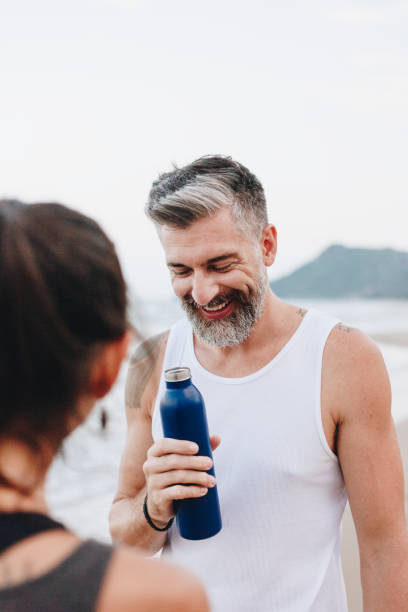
x=82, y=481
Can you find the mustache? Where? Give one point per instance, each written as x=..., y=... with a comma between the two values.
x=235, y=295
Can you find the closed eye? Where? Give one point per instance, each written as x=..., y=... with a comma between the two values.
x=180, y=271
x=221, y=268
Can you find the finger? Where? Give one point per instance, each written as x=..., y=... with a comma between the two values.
x=190, y=477
x=181, y=492
x=171, y=445
x=179, y=462
x=215, y=441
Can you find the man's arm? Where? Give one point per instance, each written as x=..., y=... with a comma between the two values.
x=127, y=522
x=162, y=469
x=357, y=391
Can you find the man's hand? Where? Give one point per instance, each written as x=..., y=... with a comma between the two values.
x=173, y=471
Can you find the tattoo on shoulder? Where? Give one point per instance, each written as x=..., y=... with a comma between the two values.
x=301, y=312
x=141, y=369
x=147, y=349
x=344, y=328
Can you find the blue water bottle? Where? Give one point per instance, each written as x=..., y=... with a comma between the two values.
x=183, y=417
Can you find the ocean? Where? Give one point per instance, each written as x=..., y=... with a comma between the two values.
x=82, y=480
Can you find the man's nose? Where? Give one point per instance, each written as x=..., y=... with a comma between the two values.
x=204, y=288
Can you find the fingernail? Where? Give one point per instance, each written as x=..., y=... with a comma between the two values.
x=204, y=491
x=194, y=447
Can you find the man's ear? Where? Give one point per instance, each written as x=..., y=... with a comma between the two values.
x=107, y=365
x=269, y=244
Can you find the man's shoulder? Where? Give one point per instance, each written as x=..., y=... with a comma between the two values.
x=350, y=345
x=148, y=349
x=353, y=369
x=155, y=346
x=144, y=371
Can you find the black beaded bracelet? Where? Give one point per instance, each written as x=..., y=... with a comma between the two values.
x=149, y=520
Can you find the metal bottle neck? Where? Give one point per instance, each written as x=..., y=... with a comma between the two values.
x=178, y=374
x=177, y=377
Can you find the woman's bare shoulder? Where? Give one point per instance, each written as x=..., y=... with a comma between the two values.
x=136, y=582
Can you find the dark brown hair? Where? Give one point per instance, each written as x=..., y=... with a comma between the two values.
x=62, y=295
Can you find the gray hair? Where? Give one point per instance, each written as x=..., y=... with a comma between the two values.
x=200, y=189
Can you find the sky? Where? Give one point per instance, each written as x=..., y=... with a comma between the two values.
x=100, y=96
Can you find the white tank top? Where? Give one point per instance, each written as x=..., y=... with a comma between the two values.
x=281, y=490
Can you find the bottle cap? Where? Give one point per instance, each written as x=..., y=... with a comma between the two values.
x=175, y=374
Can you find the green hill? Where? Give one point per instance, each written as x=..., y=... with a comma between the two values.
x=341, y=272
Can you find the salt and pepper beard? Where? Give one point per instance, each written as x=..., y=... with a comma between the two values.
x=234, y=328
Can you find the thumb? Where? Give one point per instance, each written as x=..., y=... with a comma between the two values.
x=215, y=441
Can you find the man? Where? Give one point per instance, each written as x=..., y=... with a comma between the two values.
x=302, y=405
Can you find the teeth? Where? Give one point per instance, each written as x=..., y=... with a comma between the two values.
x=215, y=308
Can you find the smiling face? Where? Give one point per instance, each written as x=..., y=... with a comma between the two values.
x=219, y=276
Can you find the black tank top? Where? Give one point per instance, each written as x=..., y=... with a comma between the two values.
x=71, y=586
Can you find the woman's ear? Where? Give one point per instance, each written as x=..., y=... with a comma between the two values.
x=107, y=365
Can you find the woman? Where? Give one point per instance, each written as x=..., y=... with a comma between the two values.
x=63, y=337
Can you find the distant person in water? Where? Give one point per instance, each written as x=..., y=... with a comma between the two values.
x=63, y=337
x=301, y=403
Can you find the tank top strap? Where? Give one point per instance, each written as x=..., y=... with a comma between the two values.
x=317, y=327
x=173, y=357
x=74, y=584
x=16, y=526
x=176, y=342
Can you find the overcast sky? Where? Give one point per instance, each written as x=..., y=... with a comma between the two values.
x=98, y=97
